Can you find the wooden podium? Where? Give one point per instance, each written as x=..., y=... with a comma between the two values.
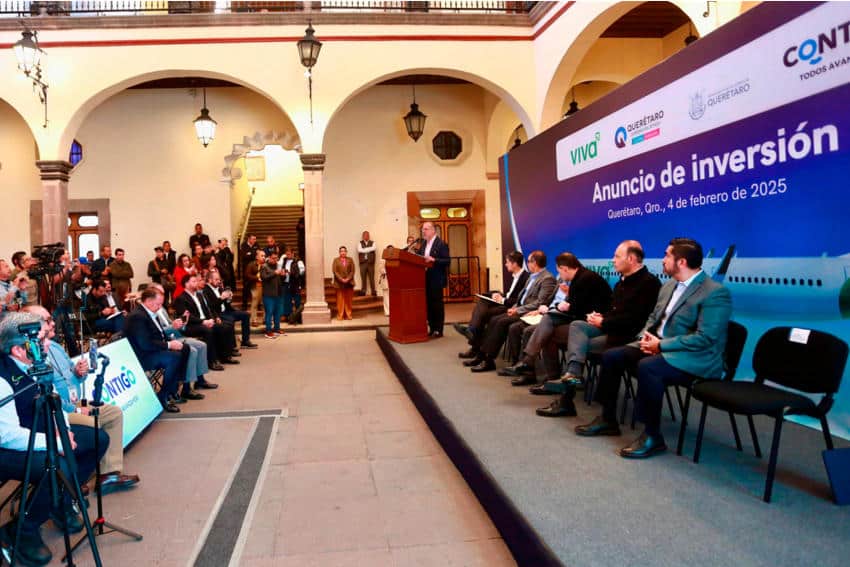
x=406, y=278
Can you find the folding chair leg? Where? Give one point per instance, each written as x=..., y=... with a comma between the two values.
x=771, y=466
x=670, y=404
x=685, y=409
x=700, y=431
x=735, y=431
x=679, y=396
x=755, y=437
x=827, y=436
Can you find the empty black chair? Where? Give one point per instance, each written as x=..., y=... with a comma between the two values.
x=736, y=337
x=800, y=359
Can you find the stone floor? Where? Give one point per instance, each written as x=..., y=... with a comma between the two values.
x=352, y=475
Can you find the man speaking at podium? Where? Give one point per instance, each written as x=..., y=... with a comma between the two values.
x=436, y=254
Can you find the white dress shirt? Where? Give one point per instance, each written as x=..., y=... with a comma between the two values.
x=674, y=299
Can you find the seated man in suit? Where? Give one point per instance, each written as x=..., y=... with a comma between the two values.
x=101, y=314
x=153, y=349
x=539, y=290
x=683, y=338
x=485, y=310
x=203, y=324
x=587, y=292
x=634, y=297
x=16, y=425
x=219, y=302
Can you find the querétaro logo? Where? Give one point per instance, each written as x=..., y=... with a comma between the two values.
x=700, y=102
x=620, y=137
x=811, y=50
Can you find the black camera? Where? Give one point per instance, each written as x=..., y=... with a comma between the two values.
x=49, y=258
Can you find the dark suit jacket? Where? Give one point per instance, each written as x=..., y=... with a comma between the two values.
x=695, y=332
x=436, y=276
x=184, y=302
x=511, y=298
x=588, y=292
x=145, y=336
x=171, y=260
x=215, y=304
x=540, y=292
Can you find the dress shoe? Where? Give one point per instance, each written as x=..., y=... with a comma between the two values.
x=190, y=395
x=71, y=521
x=558, y=408
x=599, y=426
x=523, y=381
x=463, y=330
x=176, y=400
x=171, y=408
x=31, y=550
x=249, y=344
x=479, y=358
x=229, y=360
x=235, y=352
x=485, y=365
x=204, y=385
x=437, y=334
x=644, y=446
x=216, y=366
x=540, y=390
x=557, y=386
x=571, y=379
x=518, y=369
x=115, y=481
x=471, y=353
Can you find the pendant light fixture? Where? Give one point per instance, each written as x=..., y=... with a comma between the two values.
x=414, y=121
x=204, y=124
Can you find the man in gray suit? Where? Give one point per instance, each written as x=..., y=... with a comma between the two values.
x=539, y=290
x=684, y=338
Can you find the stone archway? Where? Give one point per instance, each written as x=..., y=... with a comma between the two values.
x=257, y=142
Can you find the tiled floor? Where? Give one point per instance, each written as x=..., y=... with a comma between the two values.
x=354, y=477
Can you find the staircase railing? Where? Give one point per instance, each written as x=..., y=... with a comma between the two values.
x=240, y=234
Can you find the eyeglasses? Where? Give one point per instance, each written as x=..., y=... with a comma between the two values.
x=49, y=320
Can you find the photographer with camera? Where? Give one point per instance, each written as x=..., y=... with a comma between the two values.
x=13, y=291
x=16, y=424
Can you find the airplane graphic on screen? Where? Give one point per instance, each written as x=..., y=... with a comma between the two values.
x=782, y=288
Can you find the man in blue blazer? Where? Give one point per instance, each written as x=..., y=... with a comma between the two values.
x=684, y=338
x=436, y=253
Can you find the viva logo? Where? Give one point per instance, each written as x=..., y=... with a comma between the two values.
x=116, y=385
x=586, y=152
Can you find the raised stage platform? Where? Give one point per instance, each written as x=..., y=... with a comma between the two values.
x=559, y=499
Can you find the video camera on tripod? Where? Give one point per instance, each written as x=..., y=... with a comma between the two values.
x=49, y=258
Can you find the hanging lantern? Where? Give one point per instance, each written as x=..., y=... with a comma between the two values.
x=205, y=125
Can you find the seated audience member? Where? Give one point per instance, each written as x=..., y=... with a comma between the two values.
x=683, y=338
x=153, y=348
x=68, y=381
x=538, y=290
x=270, y=275
x=197, y=364
x=16, y=425
x=633, y=299
x=253, y=286
x=122, y=275
x=485, y=310
x=22, y=263
x=13, y=291
x=198, y=237
x=219, y=301
x=184, y=266
x=102, y=315
x=584, y=291
x=203, y=324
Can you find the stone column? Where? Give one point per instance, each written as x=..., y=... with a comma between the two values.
x=54, y=211
x=316, y=308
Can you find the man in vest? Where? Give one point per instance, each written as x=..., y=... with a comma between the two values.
x=366, y=257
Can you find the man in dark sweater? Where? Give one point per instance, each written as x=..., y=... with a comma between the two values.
x=633, y=299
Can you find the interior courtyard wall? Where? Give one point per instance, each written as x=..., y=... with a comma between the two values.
x=141, y=152
x=19, y=181
x=372, y=164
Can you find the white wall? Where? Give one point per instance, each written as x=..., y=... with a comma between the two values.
x=372, y=163
x=141, y=153
x=19, y=181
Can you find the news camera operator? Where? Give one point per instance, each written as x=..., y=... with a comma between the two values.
x=16, y=423
x=69, y=388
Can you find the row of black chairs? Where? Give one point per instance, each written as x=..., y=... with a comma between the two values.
x=790, y=366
